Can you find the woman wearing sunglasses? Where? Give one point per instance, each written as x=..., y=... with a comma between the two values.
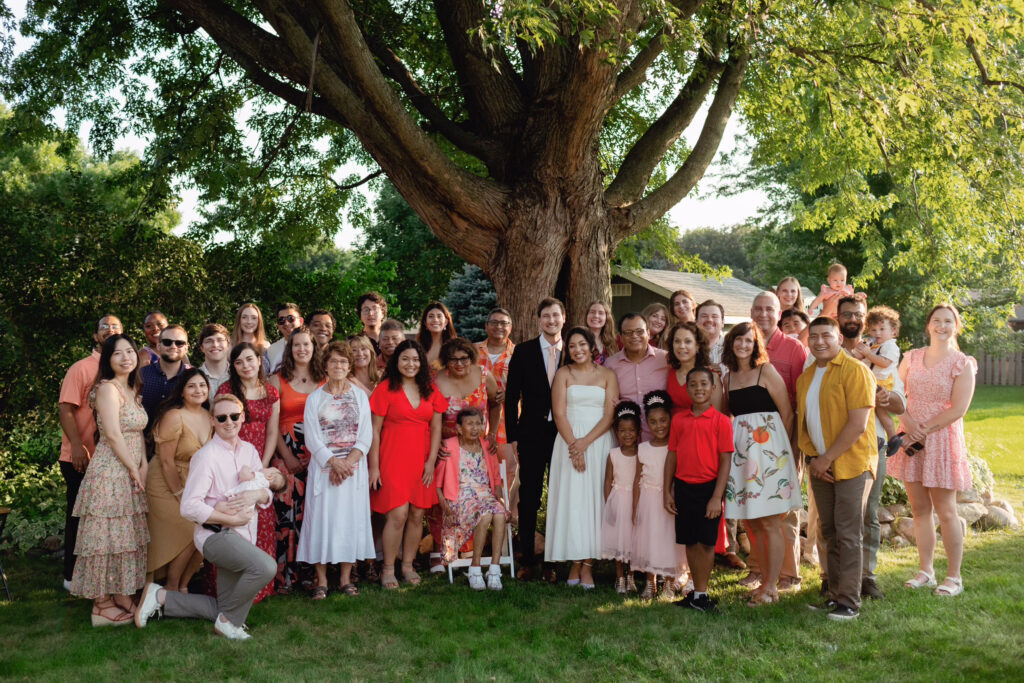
x=261, y=402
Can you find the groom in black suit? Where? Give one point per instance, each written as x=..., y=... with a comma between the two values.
x=529, y=424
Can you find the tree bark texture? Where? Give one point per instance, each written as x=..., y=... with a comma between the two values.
x=544, y=219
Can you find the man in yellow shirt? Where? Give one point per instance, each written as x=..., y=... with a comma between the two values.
x=835, y=403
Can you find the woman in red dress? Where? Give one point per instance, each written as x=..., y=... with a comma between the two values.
x=262, y=406
x=300, y=374
x=407, y=409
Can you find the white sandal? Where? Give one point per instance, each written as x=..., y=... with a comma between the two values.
x=922, y=579
x=949, y=591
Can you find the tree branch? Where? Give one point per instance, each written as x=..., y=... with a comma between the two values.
x=635, y=72
x=489, y=83
x=983, y=72
x=640, y=162
x=398, y=72
x=654, y=205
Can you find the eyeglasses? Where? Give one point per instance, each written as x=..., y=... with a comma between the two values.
x=235, y=417
x=500, y=323
x=286, y=319
x=461, y=360
x=852, y=314
x=111, y=326
x=634, y=333
x=174, y=342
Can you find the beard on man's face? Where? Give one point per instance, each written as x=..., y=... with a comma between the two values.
x=851, y=330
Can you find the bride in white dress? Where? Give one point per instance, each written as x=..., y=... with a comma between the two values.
x=583, y=397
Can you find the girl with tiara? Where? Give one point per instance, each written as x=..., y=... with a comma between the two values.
x=654, y=547
x=619, y=476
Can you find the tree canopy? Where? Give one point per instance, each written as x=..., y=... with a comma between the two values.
x=534, y=136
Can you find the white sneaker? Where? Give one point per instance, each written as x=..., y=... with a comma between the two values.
x=148, y=605
x=476, y=579
x=494, y=578
x=229, y=630
x=67, y=585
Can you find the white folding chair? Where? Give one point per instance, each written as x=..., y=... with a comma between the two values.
x=506, y=556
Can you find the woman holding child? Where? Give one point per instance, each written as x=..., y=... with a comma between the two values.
x=583, y=397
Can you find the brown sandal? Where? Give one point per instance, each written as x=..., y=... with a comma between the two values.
x=350, y=589
x=110, y=614
x=388, y=580
x=318, y=593
x=410, y=575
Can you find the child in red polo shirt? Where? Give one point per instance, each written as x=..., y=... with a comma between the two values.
x=696, y=471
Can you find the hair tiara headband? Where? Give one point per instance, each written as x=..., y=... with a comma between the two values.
x=625, y=411
x=655, y=401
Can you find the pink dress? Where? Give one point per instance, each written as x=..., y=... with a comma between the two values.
x=654, y=530
x=617, y=519
x=942, y=463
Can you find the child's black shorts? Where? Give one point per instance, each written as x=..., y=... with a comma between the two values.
x=692, y=526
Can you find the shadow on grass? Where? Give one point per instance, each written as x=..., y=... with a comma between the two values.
x=539, y=632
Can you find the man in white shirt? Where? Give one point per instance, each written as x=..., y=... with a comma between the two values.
x=289, y=319
x=213, y=342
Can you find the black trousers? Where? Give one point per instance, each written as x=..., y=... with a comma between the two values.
x=534, y=459
x=73, y=479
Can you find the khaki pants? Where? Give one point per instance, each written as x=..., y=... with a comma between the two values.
x=242, y=572
x=841, y=507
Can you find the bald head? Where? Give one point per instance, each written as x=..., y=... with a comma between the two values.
x=765, y=313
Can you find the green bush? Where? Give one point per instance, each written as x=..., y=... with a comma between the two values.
x=893, y=492
x=981, y=473
x=31, y=483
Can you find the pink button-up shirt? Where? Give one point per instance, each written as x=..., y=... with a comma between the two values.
x=788, y=356
x=212, y=473
x=638, y=379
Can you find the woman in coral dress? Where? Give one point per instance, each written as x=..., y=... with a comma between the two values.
x=407, y=408
x=111, y=505
x=933, y=461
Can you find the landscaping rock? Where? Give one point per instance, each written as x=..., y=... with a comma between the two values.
x=885, y=531
x=1002, y=503
x=884, y=516
x=904, y=526
x=52, y=543
x=898, y=510
x=898, y=541
x=972, y=512
x=998, y=518
x=986, y=497
x=970, y=496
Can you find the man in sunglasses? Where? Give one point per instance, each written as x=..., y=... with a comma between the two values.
x=158, y=378
x=78, y=428
x=222, y=506
x=289, y=319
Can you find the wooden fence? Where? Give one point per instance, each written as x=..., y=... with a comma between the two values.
x=1002, y=370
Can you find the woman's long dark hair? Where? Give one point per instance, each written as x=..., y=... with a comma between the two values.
x=106, y=370
x=394, y=377
x=235, y=380
x=176, y=399
x=701, y=358
x=424, y=337
x=588, y=337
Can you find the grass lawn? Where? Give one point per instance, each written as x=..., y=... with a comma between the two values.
x=553, y=632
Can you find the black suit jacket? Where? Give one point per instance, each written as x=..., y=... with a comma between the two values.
x=528, y=382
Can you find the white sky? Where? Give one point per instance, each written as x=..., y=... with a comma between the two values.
x=702, y=208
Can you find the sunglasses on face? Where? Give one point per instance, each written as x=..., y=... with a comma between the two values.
x=285, y=319
x=108, y=326
x=224, y=418
x=173, y=342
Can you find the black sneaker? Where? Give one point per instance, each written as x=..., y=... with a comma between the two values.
x=870, y=589
x=843, y=613
x=826, y=606
x=704, y=603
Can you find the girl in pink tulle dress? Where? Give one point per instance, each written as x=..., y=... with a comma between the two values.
x=619, y=475
x=654, y=529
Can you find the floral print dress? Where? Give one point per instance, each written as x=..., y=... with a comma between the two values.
x=475, y=500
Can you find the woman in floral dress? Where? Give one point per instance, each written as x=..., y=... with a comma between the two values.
x=111, y=505
x=763, y=481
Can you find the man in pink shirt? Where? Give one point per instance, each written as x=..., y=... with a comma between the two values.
x=639, y=367
x=225, y=527
x=78, y=429
x=788, y=356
